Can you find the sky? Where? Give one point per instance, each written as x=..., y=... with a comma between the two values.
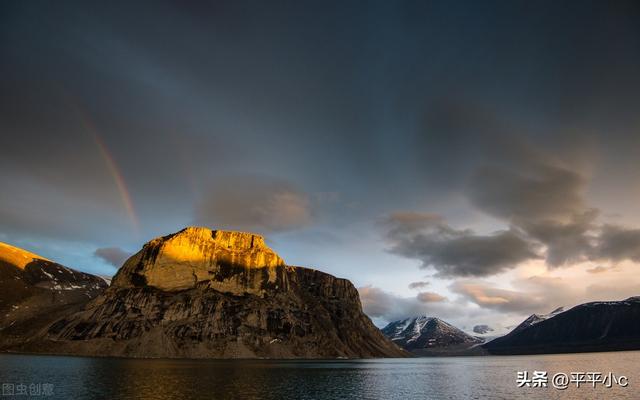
x=474, y=161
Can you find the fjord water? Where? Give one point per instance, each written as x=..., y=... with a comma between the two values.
x=416, y=378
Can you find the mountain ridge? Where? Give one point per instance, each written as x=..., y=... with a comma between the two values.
x=592, y=326
x=35, y=291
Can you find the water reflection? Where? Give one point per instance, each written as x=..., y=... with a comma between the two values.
x=428, y=378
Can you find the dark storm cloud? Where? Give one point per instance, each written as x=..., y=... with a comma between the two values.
x=616, y=243
x=537, y=189
x=452, y=252
x=533, y=191
x=530, y=192
x=567, y=242
x=542, y=202
x=545, y=200
x=534, y=183
x=113, y=255
x=253, y=203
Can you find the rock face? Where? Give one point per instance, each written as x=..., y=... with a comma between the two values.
x=597, y=326
x=428, y=335
x=214, y=294
x=196, y=256
x=35, y=291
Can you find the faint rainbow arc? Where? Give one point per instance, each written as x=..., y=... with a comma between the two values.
x=125, y=196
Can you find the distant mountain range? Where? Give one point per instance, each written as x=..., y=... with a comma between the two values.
x=429, y=336
x=596, y=326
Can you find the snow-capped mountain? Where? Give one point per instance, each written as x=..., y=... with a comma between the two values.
x=424, y=333
x=34, y=291
x=536, y=318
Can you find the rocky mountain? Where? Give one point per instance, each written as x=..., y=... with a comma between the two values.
x=428, y=335
x=596, y=326
x=35, y=291
x=200, y=293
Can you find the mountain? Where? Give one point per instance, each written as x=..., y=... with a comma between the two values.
x=35, y=291
x=596, y=326
x=200, y=293
x=535, y=318
x=428, y=335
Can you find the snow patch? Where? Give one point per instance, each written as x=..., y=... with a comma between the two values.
x=49, y=275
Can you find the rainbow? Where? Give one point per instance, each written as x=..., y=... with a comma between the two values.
x=112, y=167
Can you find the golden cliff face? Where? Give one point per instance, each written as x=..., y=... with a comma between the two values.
x=17, y=257
x=193, y=255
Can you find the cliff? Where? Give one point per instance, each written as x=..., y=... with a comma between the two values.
x=200, y=293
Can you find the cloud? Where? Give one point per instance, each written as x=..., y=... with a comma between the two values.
x=534, y=192
x=540, y=197
x=542, y=294
x=530, y=191
x=430, y=297
x=598, y=270
x=536, y=294
x=545, y=201
x=452, y=252
x=418, y=285
x=378, y=303
x=566, y=242
x=257, y=204
x=113, y=255
x=482, y=329
x=616, y=243
x=385, y=306
x=494, y=298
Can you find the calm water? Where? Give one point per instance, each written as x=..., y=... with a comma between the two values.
x=423, y=378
